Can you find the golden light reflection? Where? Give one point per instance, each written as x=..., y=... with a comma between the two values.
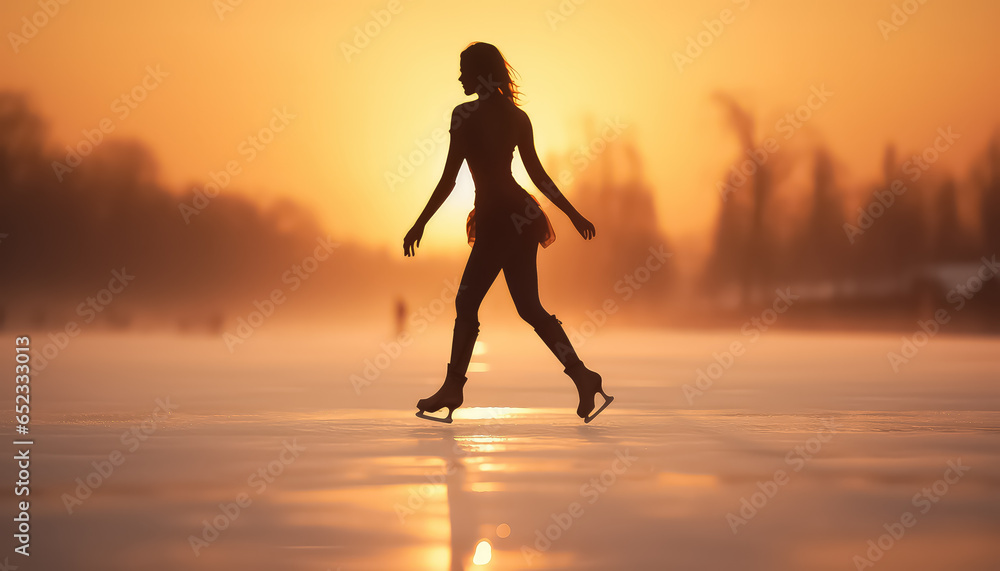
x=479, y=439
x=483, y=443
x=480, y=487
x=484, y=553
x=485, y=413
x=503, y=414
x=494, y=467
x=432, y=557
x=487, y=447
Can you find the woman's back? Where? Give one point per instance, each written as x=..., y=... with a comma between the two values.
x=488, y=131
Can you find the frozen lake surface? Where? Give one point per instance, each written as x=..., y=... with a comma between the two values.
x=806, y=451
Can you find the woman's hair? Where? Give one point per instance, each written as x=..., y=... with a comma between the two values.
x=486, y=63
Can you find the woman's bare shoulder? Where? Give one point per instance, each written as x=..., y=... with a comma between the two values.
x=465, y=110
x=521, y=121
x=461, y=112
x=519, y=117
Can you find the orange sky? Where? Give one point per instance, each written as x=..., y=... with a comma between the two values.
x=605, y=60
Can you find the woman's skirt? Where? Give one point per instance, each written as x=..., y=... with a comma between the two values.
x=511, y=223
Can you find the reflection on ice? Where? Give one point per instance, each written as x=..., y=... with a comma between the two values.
x=484, y=553
x=517, y=478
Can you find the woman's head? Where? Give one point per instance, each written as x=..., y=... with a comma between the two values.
x=485, y=71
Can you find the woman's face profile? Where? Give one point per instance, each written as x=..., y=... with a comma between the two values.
x=468, y=83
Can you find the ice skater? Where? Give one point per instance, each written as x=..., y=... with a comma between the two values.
x=505, y=227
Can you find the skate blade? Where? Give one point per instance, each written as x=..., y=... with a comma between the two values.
x=607, y=401
x=422, y=414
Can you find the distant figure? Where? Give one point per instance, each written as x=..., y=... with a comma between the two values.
x=505, y=227
x=400, y=315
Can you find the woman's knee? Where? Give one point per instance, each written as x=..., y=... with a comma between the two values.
x=467, y=307
x=533, y=313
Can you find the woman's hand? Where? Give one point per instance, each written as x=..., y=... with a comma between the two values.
x=583, y=226
x=413, y=237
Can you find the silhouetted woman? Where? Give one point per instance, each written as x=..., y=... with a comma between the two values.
x=505, y=227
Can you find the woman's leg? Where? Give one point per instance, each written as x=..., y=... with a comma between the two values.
x=480, y=272
x=521, y=273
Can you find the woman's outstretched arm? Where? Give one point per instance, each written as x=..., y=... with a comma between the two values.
x=441, y=192
x=541, y=179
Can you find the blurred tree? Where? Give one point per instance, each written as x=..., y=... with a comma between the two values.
x=65, y=237
x=990, y=211
x=821, y=252
x=952, y=241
